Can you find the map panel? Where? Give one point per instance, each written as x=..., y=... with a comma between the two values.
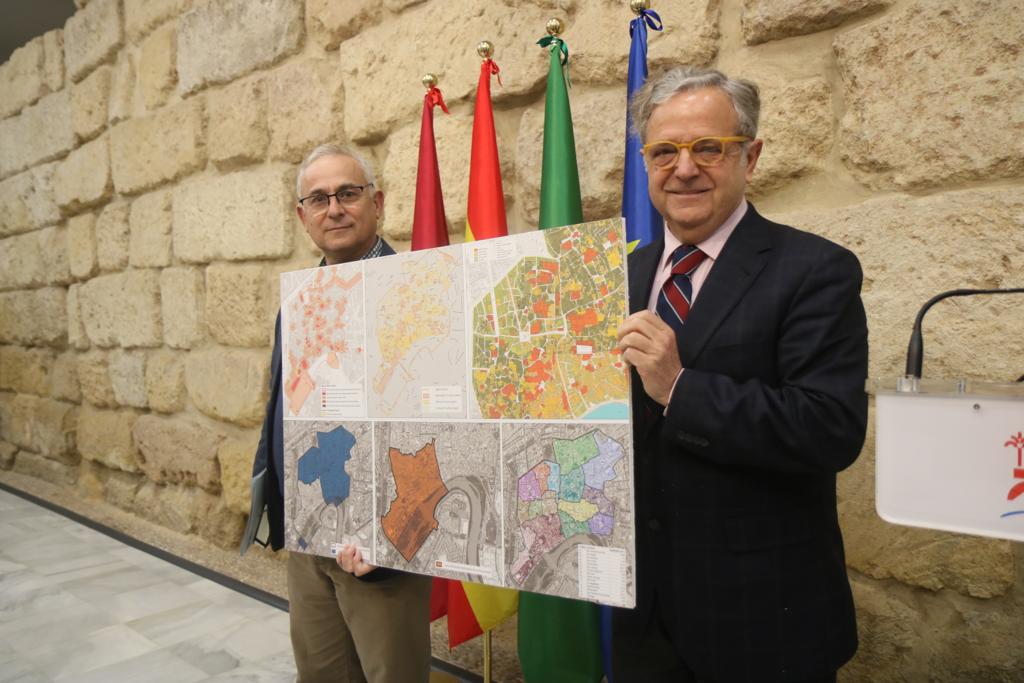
x=416, y=341
x=438, y=489
x=322, y=332
x=463, y=412
x=569, y=495
x=546, y=307
x=328, y=468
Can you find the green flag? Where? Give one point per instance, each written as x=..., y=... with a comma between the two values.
x=559, y=639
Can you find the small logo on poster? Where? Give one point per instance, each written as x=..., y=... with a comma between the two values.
x=1017, y=442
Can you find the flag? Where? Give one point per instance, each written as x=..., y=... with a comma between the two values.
x=485, y=213
x=429, y=224
x=558, y=638
x=643, y=222
x=473, y=608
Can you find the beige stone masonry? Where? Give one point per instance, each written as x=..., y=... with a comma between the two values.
x=77, y=338
x=157, y=69
x=797, y=130
x=112, y=237
x=236, y=306
x=34, y=317
x=92, y=36
x=39, y=133
x=229, y=385
x=178, y=451
x=94, y=379
x=600, y=120
x=122, y=309
x=181, y=305
x=119, y=488
x=238, y=133
x=220, y=41
x=82, y=180
x=64, y=378
x=235, y=457
x=140, y=16
x=157, y=148
x=40, y=425
x=22, y=79
x=328, y=23
x=226, y=218
x=105, y=436
x=34, y=259
x=26, y=370
x=305, y=105
x=190, y=510
x=125, y=92
x=21, y=263
x=165, y=381
x=8, y=451
x=128, y=377
x=28, y=200
x=53, y=60
x=90, y=101
x=53, y=248
x=765, y=20
x=150, y=224
x=41, y=467
x=917, y=80
x=449, y=47
x=82, y=245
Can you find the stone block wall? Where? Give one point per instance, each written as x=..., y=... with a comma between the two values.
x=147, y=157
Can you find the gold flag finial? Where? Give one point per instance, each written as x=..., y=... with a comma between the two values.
x=639, y=6
x=485, y=49
x=429, y=81
x=555, y=26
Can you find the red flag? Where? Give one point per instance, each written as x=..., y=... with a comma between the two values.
x=485, y=213
x=429, y=225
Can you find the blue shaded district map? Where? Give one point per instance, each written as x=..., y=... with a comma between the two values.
x=326, y=462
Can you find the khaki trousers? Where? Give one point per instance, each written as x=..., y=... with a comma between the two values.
x=345, y=630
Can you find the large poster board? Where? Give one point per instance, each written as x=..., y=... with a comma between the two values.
x=464, y=412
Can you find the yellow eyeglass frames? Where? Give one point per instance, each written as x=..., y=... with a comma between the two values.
x=704, y=151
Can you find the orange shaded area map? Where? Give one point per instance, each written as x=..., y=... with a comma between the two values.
x=418, y=490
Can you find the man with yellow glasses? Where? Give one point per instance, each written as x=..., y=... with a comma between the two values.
x=748, y=343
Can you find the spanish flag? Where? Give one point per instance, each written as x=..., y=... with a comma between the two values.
x=473, y=608
x=485, y=213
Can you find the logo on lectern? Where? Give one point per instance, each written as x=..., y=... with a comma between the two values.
x=1017, y=490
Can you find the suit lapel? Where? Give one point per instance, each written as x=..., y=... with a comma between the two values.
x=743, y=257
x=642, y=267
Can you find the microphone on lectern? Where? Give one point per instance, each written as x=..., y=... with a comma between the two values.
x=915, y=349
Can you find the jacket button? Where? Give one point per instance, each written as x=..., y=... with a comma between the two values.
x=654, y=525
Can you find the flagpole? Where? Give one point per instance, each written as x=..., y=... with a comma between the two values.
x=487, y=656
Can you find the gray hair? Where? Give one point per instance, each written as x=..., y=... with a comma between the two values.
x=660, y=88
x=334, y=150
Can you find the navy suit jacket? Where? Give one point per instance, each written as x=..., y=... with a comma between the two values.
x=737, y=533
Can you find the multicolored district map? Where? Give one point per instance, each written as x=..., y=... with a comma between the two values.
x=546, y=309
x=569, y=513
x=329, y=499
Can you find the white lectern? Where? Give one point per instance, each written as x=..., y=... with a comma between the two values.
x=950, y=455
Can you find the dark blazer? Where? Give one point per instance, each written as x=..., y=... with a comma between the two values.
x=737, y=533
x=267, y=488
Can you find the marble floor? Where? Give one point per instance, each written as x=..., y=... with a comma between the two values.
x=78, y=605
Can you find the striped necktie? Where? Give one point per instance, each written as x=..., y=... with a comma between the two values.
x=674, y=299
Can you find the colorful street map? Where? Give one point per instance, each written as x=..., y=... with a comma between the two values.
x=464, y=412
